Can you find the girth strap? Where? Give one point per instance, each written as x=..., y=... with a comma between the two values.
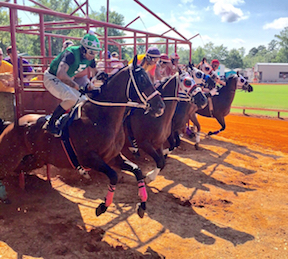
x=69, y=149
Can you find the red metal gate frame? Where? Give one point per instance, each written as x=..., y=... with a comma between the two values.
x=71, y=21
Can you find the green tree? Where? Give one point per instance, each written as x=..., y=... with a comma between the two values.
x=197, y=55
x=234, y=60
x=4, y=36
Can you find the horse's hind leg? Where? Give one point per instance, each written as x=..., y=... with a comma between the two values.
x=126, y=164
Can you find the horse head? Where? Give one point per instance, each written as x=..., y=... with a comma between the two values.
x=243, y=84
x=189, y=87
x=142, y=90
x=131, y=87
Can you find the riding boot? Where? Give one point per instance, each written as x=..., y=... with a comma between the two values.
x=51, y=127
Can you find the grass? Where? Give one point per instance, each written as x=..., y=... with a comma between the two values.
x=263, y=96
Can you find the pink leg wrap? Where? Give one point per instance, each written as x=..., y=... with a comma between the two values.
x=142, y=191
x=110, y=194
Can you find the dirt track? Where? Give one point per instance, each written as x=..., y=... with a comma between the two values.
x=227, y=200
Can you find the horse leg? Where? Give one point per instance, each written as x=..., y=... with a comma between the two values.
x=177, y=139
x=158, y=157
x=92, y=160
x=127, y=165
x=27, y=164
x=193, y=118
x=172, y=144
x=221, y=121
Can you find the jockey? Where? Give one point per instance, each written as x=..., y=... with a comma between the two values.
x=148, y=61
x=58, y=78
x=215, y=64
x=175, y=61
x=163, y=67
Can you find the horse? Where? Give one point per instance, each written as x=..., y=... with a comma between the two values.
x=150, y=133
x=221, y=104
x=183, y=109
x=97, y=136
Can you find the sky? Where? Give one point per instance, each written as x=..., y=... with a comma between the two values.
x=231, y=23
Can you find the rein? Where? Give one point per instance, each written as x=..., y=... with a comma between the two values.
x=144, y=99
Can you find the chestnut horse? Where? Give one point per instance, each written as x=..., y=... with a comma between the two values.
x=97, y=136
x=151, y=133
x=221, y=103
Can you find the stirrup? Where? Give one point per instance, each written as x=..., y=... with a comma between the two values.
x=53, y=130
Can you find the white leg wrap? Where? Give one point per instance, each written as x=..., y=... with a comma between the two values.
x=166, y=151
x=128, y=162
x=83, y=172
x=152, y=174
x=198, y=137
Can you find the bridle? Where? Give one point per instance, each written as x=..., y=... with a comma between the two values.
x=142, y=96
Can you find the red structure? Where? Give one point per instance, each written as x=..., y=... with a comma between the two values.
x=37, y=99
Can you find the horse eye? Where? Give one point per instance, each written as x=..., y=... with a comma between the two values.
x=242, y=80
x=207, y=68
x=198, y=75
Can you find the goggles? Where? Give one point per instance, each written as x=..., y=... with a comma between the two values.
x=91, y=52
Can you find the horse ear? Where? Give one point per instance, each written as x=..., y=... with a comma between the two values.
x=179, y=71
x=135, y=61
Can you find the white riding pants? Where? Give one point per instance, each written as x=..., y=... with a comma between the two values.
x=57, y=88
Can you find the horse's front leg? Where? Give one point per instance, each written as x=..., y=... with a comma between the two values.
x=127, y=165
x=95, y=162
x=158, y=157
x=193, y=118
x=221, y=121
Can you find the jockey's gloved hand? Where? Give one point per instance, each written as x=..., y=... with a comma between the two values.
x=84, y=89
x=214, y=92
x=103, y=76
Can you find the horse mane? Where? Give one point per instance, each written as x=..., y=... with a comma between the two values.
x=228, y=84
x=162, y=82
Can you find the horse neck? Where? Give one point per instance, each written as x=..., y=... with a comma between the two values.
x=113, y=92
x=227, y=92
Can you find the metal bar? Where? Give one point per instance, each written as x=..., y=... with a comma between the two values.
x=132, y=22
x=15, y=67
x=79, y=7
x=77, y=19
x=41, y=5
x=194, y=36
x=160, y=19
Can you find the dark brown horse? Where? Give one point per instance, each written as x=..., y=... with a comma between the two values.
x=98, y=136
x=183, y=109
x=221, y=103
x=151, y=133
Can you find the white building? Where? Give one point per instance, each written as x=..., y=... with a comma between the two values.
x=271, y=72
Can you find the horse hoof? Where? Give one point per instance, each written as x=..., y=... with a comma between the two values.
x=101, y=209
x=196, y=146
x=141, y=207
x=210, y=133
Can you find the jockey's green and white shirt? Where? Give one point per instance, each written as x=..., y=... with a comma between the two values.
x=73, y=57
